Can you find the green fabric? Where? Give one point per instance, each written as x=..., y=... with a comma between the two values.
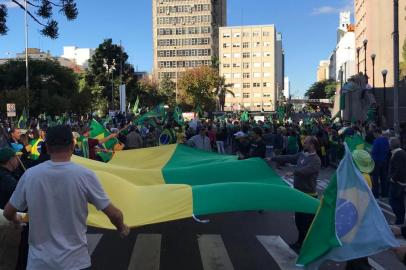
x=22, y=121
x=178, y=117
x=196, y=167
x=99, y=132
x=135, y=108
x=229, y=197
x=158, y=112
x=321, y=237
x=84, y=146
x=357, y=142
x=292, y=146
x=244, y=117
x=281, y=113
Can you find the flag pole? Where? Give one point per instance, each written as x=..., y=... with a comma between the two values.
x=27, y=82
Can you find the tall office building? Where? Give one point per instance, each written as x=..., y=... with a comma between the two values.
x=185, y=34
x=249, y=61
x=374, y=23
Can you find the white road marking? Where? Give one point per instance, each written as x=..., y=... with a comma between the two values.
x=283, y=255
x=375, y=265
x=146, y=253
x=213, y=253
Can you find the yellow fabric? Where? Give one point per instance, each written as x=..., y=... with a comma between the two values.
x=367, y=178
x=140, y=167
x=142, y=205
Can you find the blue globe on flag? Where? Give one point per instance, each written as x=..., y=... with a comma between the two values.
x=346, y=217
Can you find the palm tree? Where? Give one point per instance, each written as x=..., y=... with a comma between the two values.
x=221, y=90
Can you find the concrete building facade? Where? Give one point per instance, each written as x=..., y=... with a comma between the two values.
x=80, y=56
x=185, y=34
x=323, y=70
x=374, y=23
x=249, y=61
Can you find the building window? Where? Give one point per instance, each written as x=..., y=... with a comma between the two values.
x=237, y=85
x=256, y=54
x=258, y=105
x=246, y=34
x=256, y=85
x=236, y=65
x=247, y=105
x=246, y=85
x=256, y=44
x=227, y=55
x=246, y=45
x=265, y=34
x=226, y=35
x=246, y=55
x=267, y=74
x=267, y=64
x=227, y=75
x=237, y=75
x=267, y=44
x=226, y=65
x=246, y=95
x=236, y=45
x=246, y=75
x=257, y=95
x=267, y=84
x=237, y=35
x=255, y=34
x=267, y=95
x=267, y=54
x=257, y=75
x=257, y=65
x=226, y=45
x=267, y=104
x=237, y=55
x=237, y=95
x=246, y=65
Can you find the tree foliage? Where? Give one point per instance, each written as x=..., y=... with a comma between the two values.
x=105, y=68
x=53, y=89
x=222, y=89
x=42, y=12
x=197, y=87
x=322, y=90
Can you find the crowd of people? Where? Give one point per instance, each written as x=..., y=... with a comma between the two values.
x=309, y=144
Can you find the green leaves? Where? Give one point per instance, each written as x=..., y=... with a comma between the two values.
x=322, y=90
x=3, y=19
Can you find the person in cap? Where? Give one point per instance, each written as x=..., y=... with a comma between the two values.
x=397, y=175
x=89, y=144
x=8, y=182
x=365, y=164
x=56, y=194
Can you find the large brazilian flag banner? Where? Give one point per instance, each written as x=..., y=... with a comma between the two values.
x=173, y=182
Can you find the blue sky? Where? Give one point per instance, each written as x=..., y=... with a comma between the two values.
x=308, y=28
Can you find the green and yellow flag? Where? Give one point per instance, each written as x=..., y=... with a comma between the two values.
x=22, y=121
x=100, y=132
x=135, y=108
x=165, y=183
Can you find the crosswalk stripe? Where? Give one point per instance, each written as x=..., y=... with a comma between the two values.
x=283, y=255
x=146, y=253
x=213, y=253
x=375, y=265
x=92, y=242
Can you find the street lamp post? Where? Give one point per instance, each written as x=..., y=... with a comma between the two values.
x=358, y=50
x=396, y=66
x=365, y=56
x=373, y=57
x=27, y=78
x=384, y=74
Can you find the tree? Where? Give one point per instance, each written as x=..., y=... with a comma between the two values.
x=52, y=86
x=43, y=14
x=197, y=87
x=167, y=91
x=222, y=90
x=105, y=68
x=322, y=90
x=403, y=63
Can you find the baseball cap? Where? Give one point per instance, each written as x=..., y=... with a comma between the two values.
x=59, y=135
x=6, y=154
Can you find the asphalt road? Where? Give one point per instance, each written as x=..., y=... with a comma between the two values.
x=240, y=241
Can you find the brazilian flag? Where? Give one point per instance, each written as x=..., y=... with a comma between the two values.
x=160, y=184
x=178, y=117
x=99, y=132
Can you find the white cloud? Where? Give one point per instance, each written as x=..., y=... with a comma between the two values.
x=325, y=10
x=348, y=6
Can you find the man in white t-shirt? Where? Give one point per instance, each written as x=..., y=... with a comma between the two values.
x=56, y=194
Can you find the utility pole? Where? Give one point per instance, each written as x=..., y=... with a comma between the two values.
x=27, y=79
x=396, y=66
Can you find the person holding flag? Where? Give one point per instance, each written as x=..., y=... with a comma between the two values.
x=308, y=165
x=89, y=145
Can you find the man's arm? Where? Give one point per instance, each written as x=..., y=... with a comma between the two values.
x=10, y=213
x=112, y=135
x=116, y=218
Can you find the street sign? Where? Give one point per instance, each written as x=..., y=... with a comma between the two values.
x=11, y=110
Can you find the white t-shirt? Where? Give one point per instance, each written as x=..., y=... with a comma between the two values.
x=56, y=195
